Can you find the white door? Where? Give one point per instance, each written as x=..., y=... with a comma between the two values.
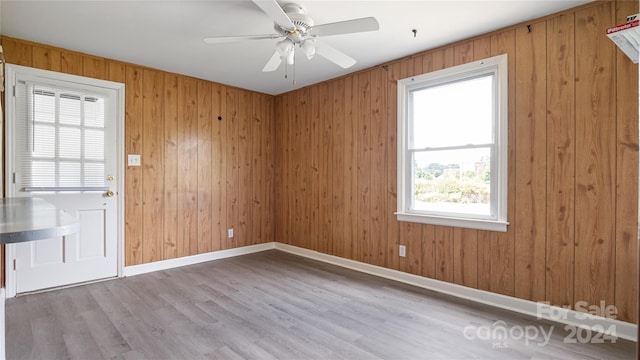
x=63, y=146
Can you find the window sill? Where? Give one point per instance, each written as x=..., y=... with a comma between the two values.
x=479, y=224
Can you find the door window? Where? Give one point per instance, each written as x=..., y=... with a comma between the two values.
x=62, y=138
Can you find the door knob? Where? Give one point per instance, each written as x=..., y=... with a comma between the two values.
x=110, y=193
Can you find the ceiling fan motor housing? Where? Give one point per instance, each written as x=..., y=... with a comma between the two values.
x=296, y=13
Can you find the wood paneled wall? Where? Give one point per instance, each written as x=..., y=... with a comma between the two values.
x=573, y=165
x=199, y=175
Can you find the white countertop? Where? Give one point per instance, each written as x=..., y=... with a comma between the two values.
x=27, y=219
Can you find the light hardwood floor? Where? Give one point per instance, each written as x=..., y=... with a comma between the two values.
x=272, y=305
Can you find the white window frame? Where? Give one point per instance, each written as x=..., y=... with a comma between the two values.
x=497, y=221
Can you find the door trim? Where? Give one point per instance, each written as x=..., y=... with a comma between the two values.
x=12, y=72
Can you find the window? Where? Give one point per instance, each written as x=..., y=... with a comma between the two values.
x=452, y=146
x=63, y=138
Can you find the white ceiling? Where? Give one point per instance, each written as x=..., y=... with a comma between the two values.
x=168, y=35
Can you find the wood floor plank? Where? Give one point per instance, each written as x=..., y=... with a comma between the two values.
x=270, y=305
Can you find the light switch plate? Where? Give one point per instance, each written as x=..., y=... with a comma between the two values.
x=133, y=160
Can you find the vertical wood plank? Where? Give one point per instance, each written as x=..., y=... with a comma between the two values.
x=463, y=52
x=338, y=166
x=302, y=170
x=531, y=132
x=444, y=238
x=204, y=174
x=233, y=164
x=502, y=244
x=289, y=186
x=363, y=165
x=351, y=183
x=481, y=48
x=188, y=163
x=393, y=225
x=438, y=59
x=626, y=250
x=133, y=175
x=116, y=71
x=46, y=58
x=412, y=237
x=171, y=166
x=260, y=131
x=17, y=52
x=595, y=156
x=257, y=204
x=465, y=257
x=313, y=167
x=484, y=260
x=417, y=68
x=378, y=224
x=561, y=155
x=325, y=173
x=282, y=166
x=295, y=173
x=152, y=165
x=71, y=63
x=244, y=171
x=269, y=148
x=94, y=67
x=218, y=167
x=428, y=251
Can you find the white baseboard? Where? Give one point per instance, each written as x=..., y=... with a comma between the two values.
x=195, y=259
x=623, y=330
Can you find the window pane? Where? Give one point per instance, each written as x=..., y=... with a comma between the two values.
x=70, y=174
x=94, y=112
x=455, y=181
x=453, y=114
x=94, y=144
x=44, y=106
x=43, y=173
x=94, y=174
x=69, y=109
x=69, y=143
x=44, y=141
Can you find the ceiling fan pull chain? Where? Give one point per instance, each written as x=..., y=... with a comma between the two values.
x=294, y=72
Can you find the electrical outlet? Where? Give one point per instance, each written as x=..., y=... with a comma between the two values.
x=133, y=160
x=402, y=251
x=230, y=233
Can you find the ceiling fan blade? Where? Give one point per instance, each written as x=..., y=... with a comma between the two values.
x=334, y=55
x=274, y=63
x=346, y=27
x=275, y=12
x=228, y=39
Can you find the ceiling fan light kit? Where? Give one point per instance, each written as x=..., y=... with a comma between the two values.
x=299, y=30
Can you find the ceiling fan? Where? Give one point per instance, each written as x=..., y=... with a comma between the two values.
x=299, y=31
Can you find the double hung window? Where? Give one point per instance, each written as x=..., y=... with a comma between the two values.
x=452, y=148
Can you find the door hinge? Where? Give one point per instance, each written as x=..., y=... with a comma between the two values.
x=14, y=264
x=14, y=178
x=14, y=91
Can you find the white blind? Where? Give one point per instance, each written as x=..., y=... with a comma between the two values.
x=61, y=137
